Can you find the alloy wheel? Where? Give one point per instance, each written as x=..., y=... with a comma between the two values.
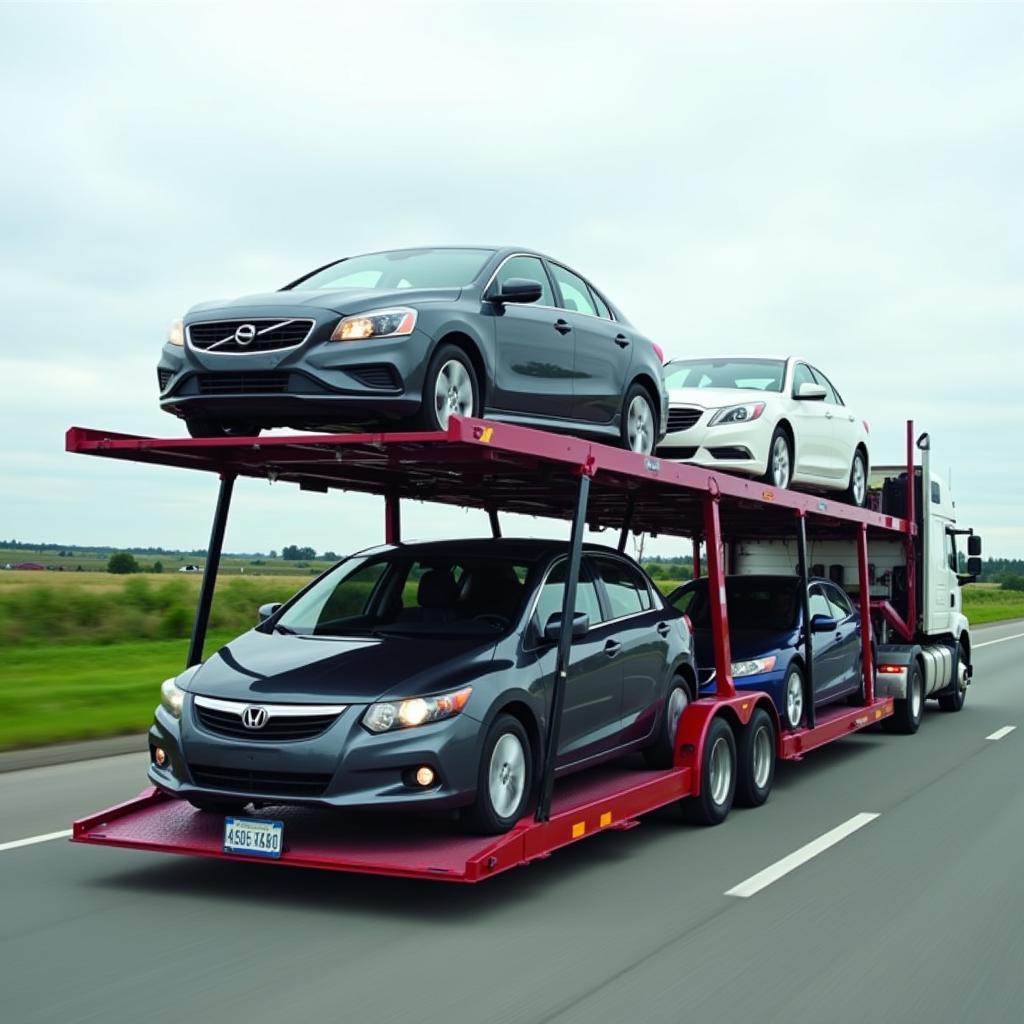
x=794, y=700
x=858, y=480
x=453, y=392
x=506, y=775
x=780, y=462
x=762, y=759
x=720, y=771
x=640, y=426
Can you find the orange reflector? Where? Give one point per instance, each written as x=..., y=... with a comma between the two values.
x=606, y=819
x=578, y=829
x=892, y=669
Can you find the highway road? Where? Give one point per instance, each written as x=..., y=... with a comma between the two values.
x=916, y=915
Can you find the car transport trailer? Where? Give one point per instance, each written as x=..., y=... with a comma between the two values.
x=501, y=468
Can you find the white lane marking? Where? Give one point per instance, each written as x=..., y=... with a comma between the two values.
x=1001, y=640
x=772, y=873
x=32, y=840
x=1000, y=733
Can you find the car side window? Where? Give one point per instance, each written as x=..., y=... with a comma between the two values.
x=575, y=293
x=552, y=593
x=831, y=395
x=626, y=588
x=602, y=307
x=819, y=604
x=841, y=607
x=802, y=375
x=531, y=269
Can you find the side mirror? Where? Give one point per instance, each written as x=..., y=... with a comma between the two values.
x=823, y=624
x=518, y=289
x=974, y=566
x=553, y=627
x=808, y=392
x=266, y=610
x=973, y=545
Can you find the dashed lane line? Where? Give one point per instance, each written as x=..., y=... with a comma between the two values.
x=32, y=840
x=1000, y=733
x=1001, y=640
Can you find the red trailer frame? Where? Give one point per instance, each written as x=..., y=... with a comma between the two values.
x=504, y=468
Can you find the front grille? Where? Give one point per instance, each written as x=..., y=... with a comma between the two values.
x=277, y=333
x=285, y=727
x=382, y=377
x=164, y=378
x=242, y=383
x=683, y=418
x=244, y=780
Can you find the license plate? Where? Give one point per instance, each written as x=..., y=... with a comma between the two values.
x=255, y=837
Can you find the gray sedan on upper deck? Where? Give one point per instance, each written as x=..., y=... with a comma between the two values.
x=408, y=337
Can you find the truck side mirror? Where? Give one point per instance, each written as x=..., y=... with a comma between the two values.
x=973, y=566
x=973, y=545
x=266, y=610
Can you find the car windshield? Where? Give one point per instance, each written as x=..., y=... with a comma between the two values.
x=403, y=268
x=423, y=595
x=752, y=374
x=757, y=602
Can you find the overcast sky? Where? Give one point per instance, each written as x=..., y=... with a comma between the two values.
x=837, y=181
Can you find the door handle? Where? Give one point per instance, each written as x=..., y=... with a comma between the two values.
x=839, y=635
x=621, y=340
x=563, y=326
x=828, y=415
x=612, y=648
x=663, y=628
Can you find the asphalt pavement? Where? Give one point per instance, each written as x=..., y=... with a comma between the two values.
x=917, y=914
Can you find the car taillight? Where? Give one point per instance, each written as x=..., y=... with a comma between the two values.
x=659, y=352
x=867, y=429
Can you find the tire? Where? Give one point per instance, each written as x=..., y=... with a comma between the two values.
x=661, y=754
x=504, y=778
x=717, y=777
x=857, y=492
x=212, y=805
x=755, y=760
x=954, y=700
x=907, y=715
x=793, y=696
x=780, y=460
x=207, y=428
x=856, y=699
x=638, y=424
x=450, y=386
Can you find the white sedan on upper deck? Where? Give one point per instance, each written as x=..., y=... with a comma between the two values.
x=778, y=419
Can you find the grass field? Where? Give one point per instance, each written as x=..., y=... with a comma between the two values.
x=84, y=653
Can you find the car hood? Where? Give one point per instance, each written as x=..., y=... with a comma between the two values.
x=345, y=300
x=743, y=644
x=715, y=398
x=351, y=670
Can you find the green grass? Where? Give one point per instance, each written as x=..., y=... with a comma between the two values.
x=78, y=691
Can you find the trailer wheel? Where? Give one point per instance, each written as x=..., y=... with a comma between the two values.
x=661, y=754
x=717, y=777
x=793, y=694
x=504, y=778
x=907, y=715
x=954, y=700
x=756, y=758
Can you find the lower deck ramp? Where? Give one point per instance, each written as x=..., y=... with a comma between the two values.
x=405, y=846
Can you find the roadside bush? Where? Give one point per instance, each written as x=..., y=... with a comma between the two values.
x=122, y=562
x=1013, y=583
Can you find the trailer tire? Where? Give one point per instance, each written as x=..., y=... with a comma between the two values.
x=907, y=712
x=954, y=700
x=717, y=777
x=505, y=773
x=756, y=760
x=662, y=753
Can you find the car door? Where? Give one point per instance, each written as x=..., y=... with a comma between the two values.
x=593, y=694
x=847, y=638
x=602, y=349
x=826, y=646
x=533, y=346
x=844, y=429
x=640, y=626
x=812, y=428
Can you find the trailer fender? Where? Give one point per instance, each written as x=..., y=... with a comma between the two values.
x=697, y=718
x=891, y=669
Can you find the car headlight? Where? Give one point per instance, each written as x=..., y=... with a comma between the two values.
x=737, y=414
x=380, y=323
x=753, y=667
x=388, y=715
x=172, y=697
x=176, y=333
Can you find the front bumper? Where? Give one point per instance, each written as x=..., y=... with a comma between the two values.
x=734, y=448
x=345, y=766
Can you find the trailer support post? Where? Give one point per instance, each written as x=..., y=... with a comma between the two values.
x=725, y=689
x=696, y=558
x=808, y=638
x=392, y=519
x=572, y=572
x=867, y=654
x=220, y=518
x=627, y=522
x=492, y=515
x=911, y=545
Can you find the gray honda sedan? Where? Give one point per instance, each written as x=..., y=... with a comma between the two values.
x=419, y=676
x=408, y=337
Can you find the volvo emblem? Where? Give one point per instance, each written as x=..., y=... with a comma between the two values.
x=254, y=717
x=244, y=334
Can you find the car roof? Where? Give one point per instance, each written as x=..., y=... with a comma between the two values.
x=503, y=547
